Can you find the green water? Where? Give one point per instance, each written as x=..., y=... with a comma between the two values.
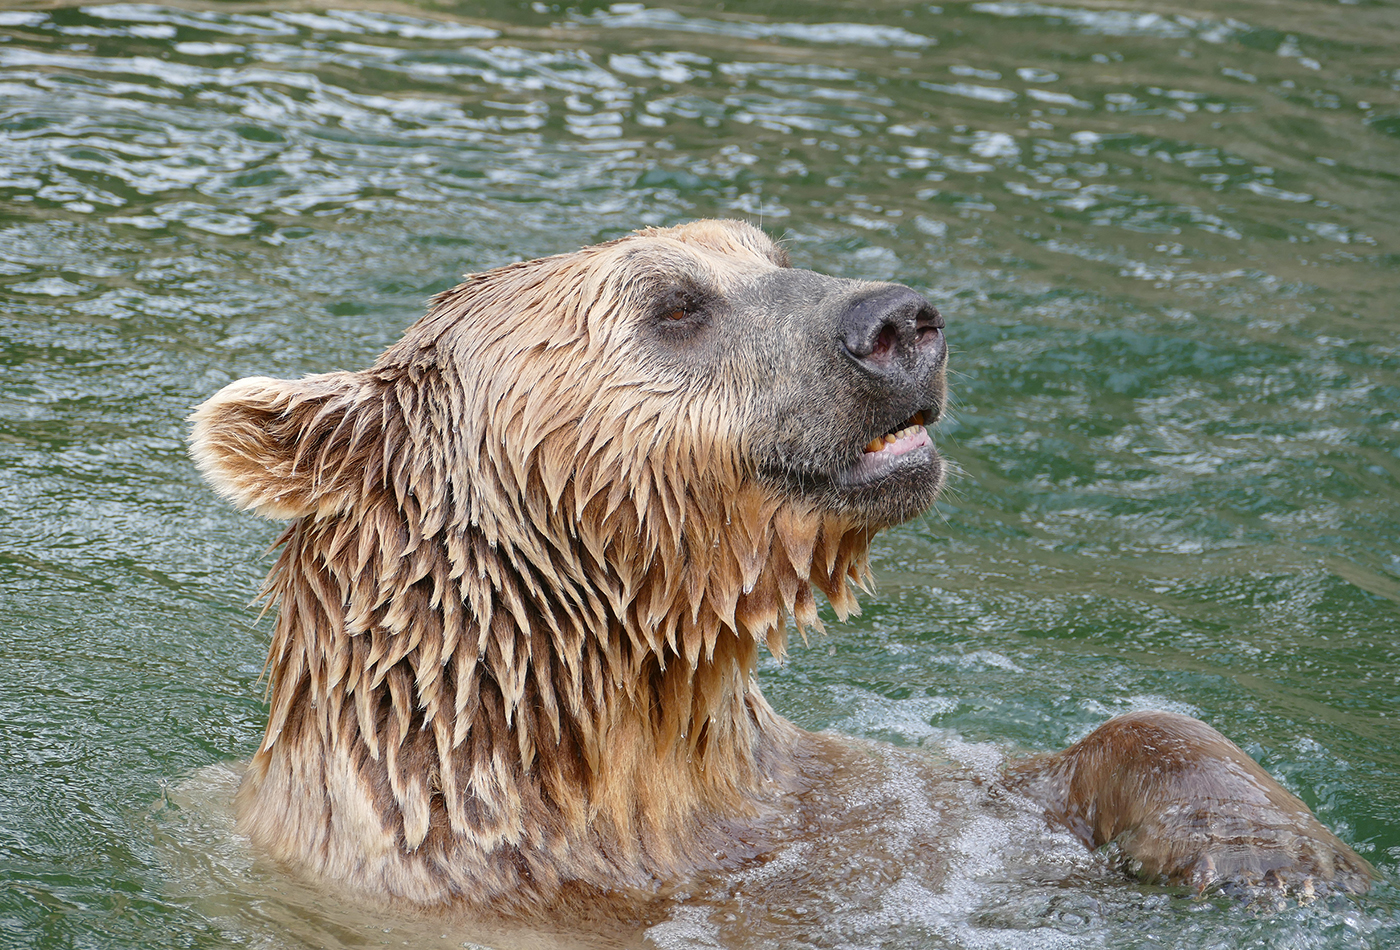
x=1167, y=244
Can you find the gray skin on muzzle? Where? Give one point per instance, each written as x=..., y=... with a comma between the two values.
x=824, y=366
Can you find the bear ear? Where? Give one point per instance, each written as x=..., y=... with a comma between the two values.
x=278, y=447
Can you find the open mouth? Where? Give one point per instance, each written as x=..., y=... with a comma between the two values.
x=885, y=452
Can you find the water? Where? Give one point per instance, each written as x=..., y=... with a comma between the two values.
x=1166, y=244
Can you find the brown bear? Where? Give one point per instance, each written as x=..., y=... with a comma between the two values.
x=534, y=551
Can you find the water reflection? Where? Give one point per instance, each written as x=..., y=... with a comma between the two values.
x=1166, y=242
x=267, y=114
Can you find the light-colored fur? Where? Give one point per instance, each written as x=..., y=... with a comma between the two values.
x=534, y=553
x=522, y=595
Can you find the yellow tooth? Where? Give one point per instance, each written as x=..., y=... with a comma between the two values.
x=919, y=418
x=875, y=445
x=891, y=439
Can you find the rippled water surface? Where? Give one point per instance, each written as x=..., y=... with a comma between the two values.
x=1166, y=243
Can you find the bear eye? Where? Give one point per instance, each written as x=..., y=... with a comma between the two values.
x=681, y=310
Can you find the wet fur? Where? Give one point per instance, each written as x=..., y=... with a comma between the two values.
x=517, y=627
x=531, y=562
x=1185, y=805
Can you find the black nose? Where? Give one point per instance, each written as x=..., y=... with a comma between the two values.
x=893, y=327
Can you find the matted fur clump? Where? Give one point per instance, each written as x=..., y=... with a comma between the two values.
x=534, y=551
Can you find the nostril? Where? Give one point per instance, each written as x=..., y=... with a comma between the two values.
x=928, y=327
x=885, y=343
x=928, y=318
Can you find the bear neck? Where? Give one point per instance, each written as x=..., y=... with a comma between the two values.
x=486, y=694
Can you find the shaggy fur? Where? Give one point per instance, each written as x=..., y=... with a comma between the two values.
x=522, y=595
x=534, y=552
